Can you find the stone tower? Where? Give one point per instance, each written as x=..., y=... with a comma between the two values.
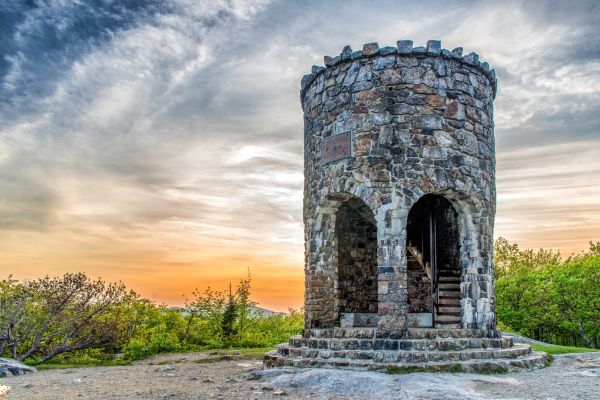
x=399, y=204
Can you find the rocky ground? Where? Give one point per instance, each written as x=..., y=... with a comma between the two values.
x=201, y=376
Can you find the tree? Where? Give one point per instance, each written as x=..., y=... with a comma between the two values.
x=244, y=305
x=229, y=317
x=52, y=316
x=13, y=312
x=540, y=295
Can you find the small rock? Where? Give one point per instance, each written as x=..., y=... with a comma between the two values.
x=279, y=393
x=165, y=368
x=252, y=376
x=77, y=381
x=207, y=380
x=14, y=367
x=4, y=391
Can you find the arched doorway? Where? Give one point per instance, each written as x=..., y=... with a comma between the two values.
x=433, y=263
x=356, y=234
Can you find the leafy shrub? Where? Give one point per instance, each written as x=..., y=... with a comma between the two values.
x=540, y=295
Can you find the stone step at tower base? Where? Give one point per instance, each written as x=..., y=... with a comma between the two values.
x=423, y=349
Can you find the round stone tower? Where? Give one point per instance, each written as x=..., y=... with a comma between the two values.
x=399, y=204
x=388, y=131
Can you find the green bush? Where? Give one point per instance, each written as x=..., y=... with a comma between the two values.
x=540, y=295
x=158, y=339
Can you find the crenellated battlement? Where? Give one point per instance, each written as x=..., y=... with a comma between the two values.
x=404, y=48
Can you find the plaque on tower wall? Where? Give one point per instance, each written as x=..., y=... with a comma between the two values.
x=336, y=147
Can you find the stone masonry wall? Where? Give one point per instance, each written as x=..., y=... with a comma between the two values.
x=419, y=287
x=420, y=121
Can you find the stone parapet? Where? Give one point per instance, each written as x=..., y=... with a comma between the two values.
x=403, y=48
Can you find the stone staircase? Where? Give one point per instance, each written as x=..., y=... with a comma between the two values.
x=418, y=349
x=448, y=303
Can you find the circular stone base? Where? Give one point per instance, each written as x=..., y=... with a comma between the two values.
x=422, y=350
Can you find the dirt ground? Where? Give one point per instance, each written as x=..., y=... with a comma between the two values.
x=192, y=376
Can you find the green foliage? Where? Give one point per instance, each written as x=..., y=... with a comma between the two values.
x=158, y=339
x=124, y=326
x=229, y=318
x=408, y=369
x=540, y=295
x=47, y=317
x=264, y=331
x=456, y=368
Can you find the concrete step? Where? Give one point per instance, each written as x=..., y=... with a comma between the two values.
x=449, y=294
x=455, y=309
x=432, y=333
x=449, y=301
x=445, y=279
x=442, y=273
x=502, y=363
x=422, y=343
x=447, y=318
x=385, y=355
x=450, y=286
x=359, y=333
x=447, y=325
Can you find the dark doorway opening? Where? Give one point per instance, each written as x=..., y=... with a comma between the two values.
x=356, y=233
x=433, y=263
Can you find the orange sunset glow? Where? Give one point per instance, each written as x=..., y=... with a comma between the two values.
x=164, y=148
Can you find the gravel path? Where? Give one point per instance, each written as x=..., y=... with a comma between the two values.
x=191, y=376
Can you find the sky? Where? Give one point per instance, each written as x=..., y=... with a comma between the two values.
x=160, y=142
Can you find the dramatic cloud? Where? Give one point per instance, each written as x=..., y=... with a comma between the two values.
x=160, y=142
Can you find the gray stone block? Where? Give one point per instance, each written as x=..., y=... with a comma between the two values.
x=404, y=46
x=434, y=47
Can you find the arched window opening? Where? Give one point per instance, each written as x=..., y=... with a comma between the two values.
x=356, y=234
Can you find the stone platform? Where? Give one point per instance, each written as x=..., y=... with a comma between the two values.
x=454, y=350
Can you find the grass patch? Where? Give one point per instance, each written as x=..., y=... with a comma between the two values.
x=169, y=362
x=252, y=352
x=78, y=363
x=491, y=370
x=409, y=369
x=556, y=349
x=234, y=354
x=214, y=356
x=456, y=368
